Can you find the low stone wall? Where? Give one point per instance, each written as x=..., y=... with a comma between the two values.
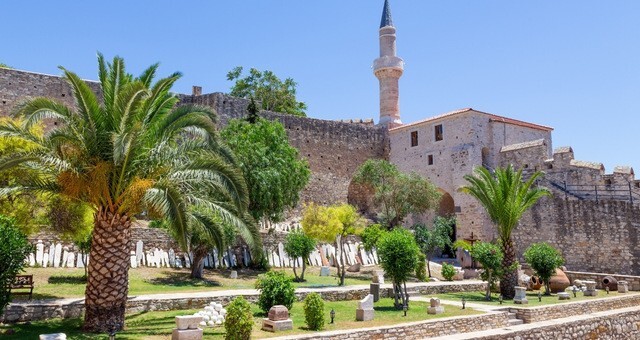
x=417, y=330
x=72, y=308
x=634, y=281
x=536, y=314
x=624, y=324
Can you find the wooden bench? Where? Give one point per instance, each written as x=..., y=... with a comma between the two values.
x=22, y=282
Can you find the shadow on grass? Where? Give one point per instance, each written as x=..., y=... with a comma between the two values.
x=74, y=280
x=36, y=296
x=182, y=280
x=27, y=330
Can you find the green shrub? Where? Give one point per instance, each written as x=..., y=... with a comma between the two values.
x=544, y=259
x=314, y=311
x=398, y=254
x=448, y=272
x=239, y=320
x=490, y=257
x=299, y=244
x=275, y=288
x=421, y=267
x=370, y=236
x=14, y=248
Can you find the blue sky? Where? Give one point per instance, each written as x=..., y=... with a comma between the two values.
x=573, y=65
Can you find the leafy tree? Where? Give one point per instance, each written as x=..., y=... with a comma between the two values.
x=14, y=248
x=437, y=238
x=274, y=94
x=274, y=173
x=371, y=235
x=299, y=244
x=71, y=219
x=314, y=311
x=544, y=259
x=332, y=224
x=397, y=194
x=238, y=322
x=398, y=253
x=133, y=151
x=29, y=209
x=505, y=196
x=490, y=257
x=276, y=288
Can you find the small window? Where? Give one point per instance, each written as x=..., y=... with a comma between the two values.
x=414, y=138
x=438, y=131
x=430, y=159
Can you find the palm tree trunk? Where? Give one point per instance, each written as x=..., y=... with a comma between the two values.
x=197, y=268
x=108, y=273
x=510, y=278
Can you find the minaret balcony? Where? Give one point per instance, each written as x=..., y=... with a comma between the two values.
x=387, y=62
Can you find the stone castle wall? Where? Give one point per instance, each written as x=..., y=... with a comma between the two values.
x=592, y=236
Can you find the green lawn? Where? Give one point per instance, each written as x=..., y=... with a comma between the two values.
x=478, y=297
x=68, y=282
x=158, y=325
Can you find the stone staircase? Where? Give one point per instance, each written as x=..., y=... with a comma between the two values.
x=513, y=319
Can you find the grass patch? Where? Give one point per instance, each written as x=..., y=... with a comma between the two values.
x=479, y=297
x=69, y=282
x=158, y=325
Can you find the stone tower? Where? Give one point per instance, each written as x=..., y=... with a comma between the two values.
x=388, y=69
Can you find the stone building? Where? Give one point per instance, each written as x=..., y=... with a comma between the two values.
x=590, y=208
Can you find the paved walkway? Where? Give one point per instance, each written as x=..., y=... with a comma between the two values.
x=243, y=292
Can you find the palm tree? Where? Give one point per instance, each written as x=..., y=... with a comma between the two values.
x=126, y=151
x=505, y=196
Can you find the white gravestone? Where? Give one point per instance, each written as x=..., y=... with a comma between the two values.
x=52, y=252
x=139, y=253
x=70, y=260
x=39, y=253
x=57, y=255
x=31, y=259
x=79, y=263
x=133, y=259
x=172, y=258
x=45, y=260
x=365, y=309
x=65, y=256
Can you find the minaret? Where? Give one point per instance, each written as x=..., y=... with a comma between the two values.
x=388, y=69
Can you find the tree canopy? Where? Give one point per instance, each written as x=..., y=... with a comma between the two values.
x=490, y=257
x=544, y=259
x=398, y=254
x=14, y=248
x=273, y=172
x=505, y=196
x=397, y=194
x=265, y=87
x=299, y=245
x=128, y=151
x=332, y=224
x=437, y=237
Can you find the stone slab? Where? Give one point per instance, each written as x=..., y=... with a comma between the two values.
x=564, y=296
x=187, y=334
x=374, y=289
x=325, y=271
x=54, y=336
x=364, y=314
x=366, y=303
x=278, y=313
x=276, y=326
x=435, y=310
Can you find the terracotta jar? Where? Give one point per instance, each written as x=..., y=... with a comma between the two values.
x=559, y=282
x=535, y=283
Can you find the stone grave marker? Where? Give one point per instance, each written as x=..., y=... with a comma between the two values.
x=564, y=296
x=139, y=253
x=133, y=259
x=54, y=336
x=70, y=260
x=365, y=310
x=57, y=255
x=65, y=256
x=374, y=289
x=233, y=275
x=378, y=276
x=79, y=263
x=172, y=258
x=591, y=288
x=32, y=260
x=52, y=251
x=45, y=260
x=325, y=271
x=435, y=307
x=521, y=296
x=39, y=253
x=623, y=286
x=277, y=320
x=187, y=328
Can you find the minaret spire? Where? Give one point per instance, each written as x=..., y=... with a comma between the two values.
x=386, y=15
x=388, y=69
